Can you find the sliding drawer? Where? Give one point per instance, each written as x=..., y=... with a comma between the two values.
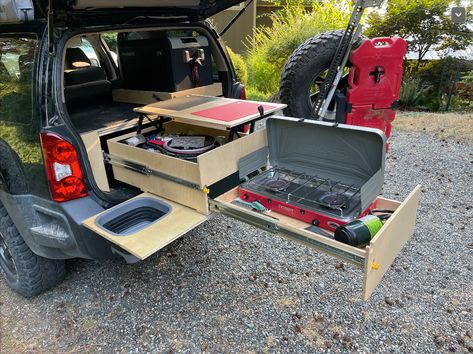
x=145, y=224
x=180, y=180
x=375, y=258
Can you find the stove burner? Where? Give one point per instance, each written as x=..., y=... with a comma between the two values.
x=276, y=185
x=303, y=196
x=334, y=200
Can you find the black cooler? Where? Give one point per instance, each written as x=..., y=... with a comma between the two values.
x=190, y=62
x=153, y=61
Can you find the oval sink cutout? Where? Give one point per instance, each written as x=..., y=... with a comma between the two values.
x=132, y=216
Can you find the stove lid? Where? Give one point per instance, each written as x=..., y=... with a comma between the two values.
x=345, y=153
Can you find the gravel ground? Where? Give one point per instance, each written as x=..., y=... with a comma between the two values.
x=227, y=287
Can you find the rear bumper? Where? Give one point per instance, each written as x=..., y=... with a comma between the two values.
x=54, y=230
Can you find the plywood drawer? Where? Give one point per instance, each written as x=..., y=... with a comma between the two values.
x=375, y=258
x=179, y=180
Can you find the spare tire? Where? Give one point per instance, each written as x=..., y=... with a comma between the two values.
x=305, y=71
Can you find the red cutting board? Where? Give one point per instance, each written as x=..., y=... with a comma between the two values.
x=233, y=111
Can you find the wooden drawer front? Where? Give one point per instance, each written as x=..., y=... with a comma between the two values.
x=375, y=258
x=182, y=181
x=389, y=241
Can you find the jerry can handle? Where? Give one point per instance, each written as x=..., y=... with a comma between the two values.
x=388, y=40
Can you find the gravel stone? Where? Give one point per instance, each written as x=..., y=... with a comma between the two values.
x=228, y=287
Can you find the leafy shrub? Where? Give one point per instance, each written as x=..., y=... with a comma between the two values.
x=429, y=100
x=255, y=95
x=270, y=47
x=440, y=73
x=412, y=92
x=240, y=66
x=111, y=39
x=463, y=100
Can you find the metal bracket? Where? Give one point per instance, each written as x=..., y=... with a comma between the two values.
x=199, y=58
x=265, y=223
x=144, y=170
x=339, y=61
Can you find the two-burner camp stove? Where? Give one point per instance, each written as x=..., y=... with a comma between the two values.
x=323, y=174
x=319, y=201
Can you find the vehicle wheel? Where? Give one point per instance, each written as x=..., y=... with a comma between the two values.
x=305, y=71
x=24, y=271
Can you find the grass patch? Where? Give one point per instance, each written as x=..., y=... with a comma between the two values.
x=453, y=126
x=28, y=151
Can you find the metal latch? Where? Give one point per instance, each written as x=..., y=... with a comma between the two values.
x=198, y=57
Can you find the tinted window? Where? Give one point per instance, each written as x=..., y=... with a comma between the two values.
x=18, y=127
x=16, y=71
x=86, y=47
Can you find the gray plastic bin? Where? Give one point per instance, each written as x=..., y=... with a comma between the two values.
x=132, y=216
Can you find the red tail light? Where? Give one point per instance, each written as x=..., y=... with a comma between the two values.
x=243, y=93
x=63, y=169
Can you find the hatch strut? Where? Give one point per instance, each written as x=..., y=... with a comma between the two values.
x=237, y=16
x=339, y=61
x=50, y=27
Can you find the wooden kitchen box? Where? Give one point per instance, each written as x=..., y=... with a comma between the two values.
x=179, y=180
x=181, y=187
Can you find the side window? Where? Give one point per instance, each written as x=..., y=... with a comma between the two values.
x=111, y=39
x=90, y=52
x=16, y=77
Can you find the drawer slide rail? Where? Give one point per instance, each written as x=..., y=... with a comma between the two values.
x=266, y=223
x=144, y=170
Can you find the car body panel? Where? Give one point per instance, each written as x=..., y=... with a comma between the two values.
x=23, y=186
x=95, y=12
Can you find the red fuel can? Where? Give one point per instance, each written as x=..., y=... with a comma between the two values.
x=374, y=82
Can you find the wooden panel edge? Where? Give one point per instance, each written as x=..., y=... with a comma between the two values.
x=172, y=166
x=91, y=141
x=389, y=241
x=219, y=163
x=147, y=97
x=190, y=197
x=140, y=243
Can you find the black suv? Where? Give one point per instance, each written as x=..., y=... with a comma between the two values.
x=58, y=74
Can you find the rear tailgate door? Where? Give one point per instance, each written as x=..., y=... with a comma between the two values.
x=104, y=12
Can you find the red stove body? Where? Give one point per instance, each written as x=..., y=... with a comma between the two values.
x=326, y=221
x=323, y=174
x=374, y=82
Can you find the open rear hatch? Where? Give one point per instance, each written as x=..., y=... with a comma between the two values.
x=103, y=12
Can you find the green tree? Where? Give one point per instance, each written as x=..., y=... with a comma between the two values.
x=111, y=39
x=426, y=24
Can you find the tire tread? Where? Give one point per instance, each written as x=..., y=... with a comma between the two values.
x=307, y=54
x=35, y=274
